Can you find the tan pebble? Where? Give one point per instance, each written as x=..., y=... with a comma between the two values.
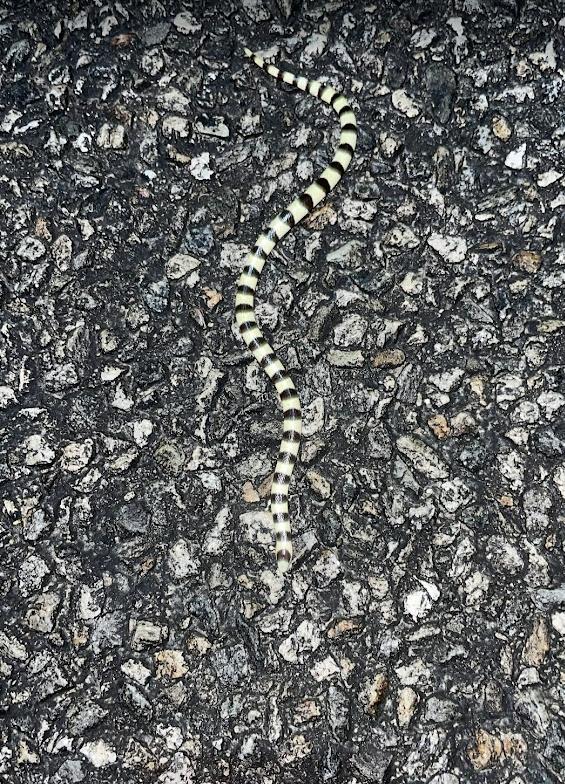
x=79, y=636
x=527, y=260
x=319, y=484
x=369, y=508
x=506, y=500
x=265, y=487
x=439, y=425
x=486, y=751
x=537, y=644
x=477, y=384
x=514, y=745
x=198, y=644
x=213, y=297
x=344, y=627
x=321, y=217
x=406, y=705
x=170, y=664
x=501, y=128
x=375, y=693
x=42, y=230
x=122, y=40
x=249, y=494
x=392, y=357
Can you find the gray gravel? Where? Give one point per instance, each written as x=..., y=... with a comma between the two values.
x=144, y=634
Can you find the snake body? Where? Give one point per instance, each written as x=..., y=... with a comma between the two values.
x=246, y=320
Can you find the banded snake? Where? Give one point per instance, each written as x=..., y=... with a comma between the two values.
x=245, y=317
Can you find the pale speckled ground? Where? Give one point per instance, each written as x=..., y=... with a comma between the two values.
x=144, y=636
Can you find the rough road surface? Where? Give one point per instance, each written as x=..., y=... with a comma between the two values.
x=144, y=634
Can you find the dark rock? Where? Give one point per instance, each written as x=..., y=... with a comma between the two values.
x=441, y=88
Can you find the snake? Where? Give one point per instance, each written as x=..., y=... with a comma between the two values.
x=245, y=315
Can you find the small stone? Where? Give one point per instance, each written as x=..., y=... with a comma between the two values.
x=70, y=772
x=31, y=249
x=537, y=644
x=111, y=137
x=38, y=451
x=341, y=358
x=62, y=250
x=40, y=617
x=169, y=457
x=440, y=86
x=372, y=761
x=214, y=126
x=345, y=627
x=486, y=750
x=417, y=604
x=516, y=158
x=412, y=283
x=31, y=574
x=7, y=397
x=183, y=559
x=501, y=128
x=454, y=494
x=406, y=705
x=170, y=664
x=545, y=179
x=313, y=417
x=136, y=671
x=347, y=254
x=249, y=494
x=422, y=457
x=375, y=692
x=503, y=556
x=319, y=484
x=558, y=622
x=305, y=638
x=389, y=145
x=200, y=167
x=120, y=400
x=76, y=456
x=451, y=249
x=527, y=260
x=350, y=331
x=447, y=379
x=186, y=23
x=402, y=237
x=325, y=669
x=12, y=647
x=213, y=297
x=174, y=126
x=327, y=567
x=439, y=426
x=88, y=603
x=156, y=295
x=147, y=633
x=438, y=711
x=391, y=357
x=405, y=104
x=174, y=101
x=133, y=518
x=559, y=479
x=99, y=753
x=156, y=34
x=462, y=423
